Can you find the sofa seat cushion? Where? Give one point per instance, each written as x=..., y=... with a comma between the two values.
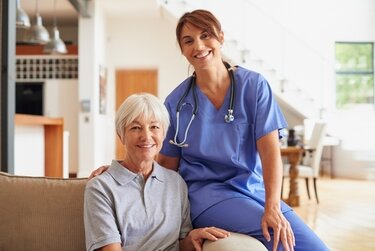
x=38, y=213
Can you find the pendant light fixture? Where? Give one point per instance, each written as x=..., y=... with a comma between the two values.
x=56, y=44
x=38, y=34
x=22, y=19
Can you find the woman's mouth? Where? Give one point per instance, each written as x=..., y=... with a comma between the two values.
x=202, y=54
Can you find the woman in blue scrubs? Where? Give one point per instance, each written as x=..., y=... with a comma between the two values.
x=233, y=168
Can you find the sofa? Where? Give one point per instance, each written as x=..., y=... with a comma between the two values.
x=40, y=213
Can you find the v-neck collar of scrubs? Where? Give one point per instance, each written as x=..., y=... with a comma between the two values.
x=208, y=109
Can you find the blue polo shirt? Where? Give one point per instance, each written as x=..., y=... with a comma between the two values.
x=120, y=207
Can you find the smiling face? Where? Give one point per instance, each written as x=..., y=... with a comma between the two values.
x=200, y=48
x=141, y=123
x=143, y=140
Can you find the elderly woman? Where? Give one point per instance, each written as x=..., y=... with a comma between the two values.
x=137, y=204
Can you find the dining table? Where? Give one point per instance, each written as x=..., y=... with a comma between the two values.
x=293, y=154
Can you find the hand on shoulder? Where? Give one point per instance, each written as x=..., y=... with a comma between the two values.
x=98, y=171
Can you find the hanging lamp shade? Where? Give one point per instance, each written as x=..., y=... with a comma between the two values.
x=38, y=34
x=55, y=44
x=22, y=19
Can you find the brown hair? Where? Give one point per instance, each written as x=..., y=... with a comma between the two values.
x=201, y=19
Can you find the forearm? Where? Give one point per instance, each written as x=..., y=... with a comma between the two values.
x=272, y=175
x=268, y=147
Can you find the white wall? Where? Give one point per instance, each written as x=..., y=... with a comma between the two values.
x=96, y=146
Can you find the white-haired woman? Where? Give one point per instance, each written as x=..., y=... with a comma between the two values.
x=137, y=204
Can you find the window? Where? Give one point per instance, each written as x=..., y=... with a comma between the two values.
x=354, y=74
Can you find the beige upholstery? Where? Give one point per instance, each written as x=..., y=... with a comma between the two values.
x=235, y=242
x=38, y=214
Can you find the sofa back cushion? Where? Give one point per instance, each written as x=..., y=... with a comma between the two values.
x=38, y=213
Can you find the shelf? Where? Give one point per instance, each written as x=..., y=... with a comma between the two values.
x=38, y=50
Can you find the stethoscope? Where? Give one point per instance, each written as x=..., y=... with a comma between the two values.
x=229, y=117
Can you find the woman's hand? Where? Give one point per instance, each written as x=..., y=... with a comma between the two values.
x=274, y=218
x=98, y=171
x=196, y=237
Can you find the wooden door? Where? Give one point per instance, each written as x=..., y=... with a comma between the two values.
x=129, y=82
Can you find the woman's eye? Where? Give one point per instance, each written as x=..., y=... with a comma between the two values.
x=133, y=128
x=187, y=41
x=205, y=36
x=155, y=127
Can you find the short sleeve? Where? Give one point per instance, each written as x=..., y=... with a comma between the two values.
x=186, y=225
x=169, y=149
x=99, y=218
x=269, y=116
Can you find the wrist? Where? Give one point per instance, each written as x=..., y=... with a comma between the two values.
x=272, y=205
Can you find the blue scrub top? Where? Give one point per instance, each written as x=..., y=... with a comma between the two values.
x=222, y=160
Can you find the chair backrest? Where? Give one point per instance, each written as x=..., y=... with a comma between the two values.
x=308, y=125
x=316, y=143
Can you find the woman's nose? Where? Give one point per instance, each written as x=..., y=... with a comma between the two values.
x=146, y=133
x=198, y=44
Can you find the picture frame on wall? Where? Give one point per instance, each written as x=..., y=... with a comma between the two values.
x=102, y=89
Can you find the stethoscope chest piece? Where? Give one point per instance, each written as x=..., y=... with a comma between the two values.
x=229, y=117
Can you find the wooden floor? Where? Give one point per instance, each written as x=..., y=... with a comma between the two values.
x=345, y=217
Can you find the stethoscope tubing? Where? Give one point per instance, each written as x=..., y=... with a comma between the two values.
x=228, y=117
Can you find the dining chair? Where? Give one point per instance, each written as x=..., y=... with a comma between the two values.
x=310, y=164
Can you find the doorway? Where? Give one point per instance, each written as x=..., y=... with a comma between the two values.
x=129, y=82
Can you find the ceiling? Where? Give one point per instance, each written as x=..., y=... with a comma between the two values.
x=66, y=14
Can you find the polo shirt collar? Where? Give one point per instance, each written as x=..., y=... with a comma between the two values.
x=123, y=175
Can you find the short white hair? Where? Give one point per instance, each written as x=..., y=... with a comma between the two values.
x=144, y=105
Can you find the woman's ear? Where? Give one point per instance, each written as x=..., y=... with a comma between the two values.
x=221, y=37
x=121, y=138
